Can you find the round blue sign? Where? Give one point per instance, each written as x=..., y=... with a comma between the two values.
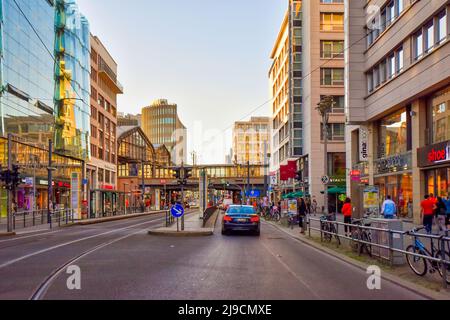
x=177, y=211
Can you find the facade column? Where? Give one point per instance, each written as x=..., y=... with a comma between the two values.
x=419, y=129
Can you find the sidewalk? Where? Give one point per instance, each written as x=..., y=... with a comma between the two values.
x=430, y=285
x=193, y=227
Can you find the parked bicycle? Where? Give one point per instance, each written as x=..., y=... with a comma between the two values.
x=328, y=228
x=361, y=237
x=420, y=265
x=273, y=215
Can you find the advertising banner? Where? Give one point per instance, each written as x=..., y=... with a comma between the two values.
x=363, y=144
x=292, y=206
x=371, y=196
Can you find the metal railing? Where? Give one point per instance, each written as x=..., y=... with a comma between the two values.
x=170, y=220
x=443, y=240
x=26, y=219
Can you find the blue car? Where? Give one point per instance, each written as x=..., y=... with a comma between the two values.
x=241, y=218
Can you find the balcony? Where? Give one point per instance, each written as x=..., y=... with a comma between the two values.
x=107, y=75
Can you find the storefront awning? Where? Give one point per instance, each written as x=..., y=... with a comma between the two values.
x=337, y=190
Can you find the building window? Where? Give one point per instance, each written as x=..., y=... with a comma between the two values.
x=336, y=164
x=441, y=27
x=429, y=33
x=399, y=60
x=332, y=76
x=418, y=45
x=440, y=123
x=336, y=132
x=332, y=49
x=393, y=134
x=332, y=21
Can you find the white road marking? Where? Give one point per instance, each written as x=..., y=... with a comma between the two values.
x=6, y=264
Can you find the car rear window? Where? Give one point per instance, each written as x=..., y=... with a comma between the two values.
x=241, y=210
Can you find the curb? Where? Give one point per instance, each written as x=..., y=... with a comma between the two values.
x=419, y=290
x=198, y=233
x=205, y=233
x=7, y=234
x=109, y=219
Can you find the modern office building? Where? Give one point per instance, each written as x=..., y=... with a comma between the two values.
x=72, y=87
x=162, y=125
x=251, y=141
x=398, y=101
x=102, y=167
x=41, y=100
x=308, y=64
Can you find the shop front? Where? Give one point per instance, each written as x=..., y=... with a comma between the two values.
x=393, y=168
x=434, y=160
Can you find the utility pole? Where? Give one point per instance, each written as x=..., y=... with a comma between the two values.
x=143, y=185
x=325, y=107
x=248, y=178
x=50, y=183
x=10, y=192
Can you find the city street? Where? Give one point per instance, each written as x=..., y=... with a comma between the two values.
x=119, y=260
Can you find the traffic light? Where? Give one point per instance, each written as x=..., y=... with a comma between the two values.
x=15, y=176
x=176, y=173
x=188, y=173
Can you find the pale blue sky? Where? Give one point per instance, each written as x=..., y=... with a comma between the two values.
x=210, y=57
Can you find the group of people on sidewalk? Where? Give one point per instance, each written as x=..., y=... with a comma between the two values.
x=435, y=209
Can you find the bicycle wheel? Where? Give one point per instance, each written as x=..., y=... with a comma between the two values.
x=277, y=217
x=327, y=236
x=417, y=264
x=354, y=244
x=438, y=255
x=336, y=235
x=368, y=247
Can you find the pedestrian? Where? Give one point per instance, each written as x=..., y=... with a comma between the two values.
x=347, y=212
x=447, y=205
x=308, y=205
x=314, y=206
x=427, y=213
x=441, y=213
x=389, y=209
x=302, y=209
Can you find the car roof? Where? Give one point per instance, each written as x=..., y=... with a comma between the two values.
x=240, y=206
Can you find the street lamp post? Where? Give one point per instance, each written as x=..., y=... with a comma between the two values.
x=324, y=107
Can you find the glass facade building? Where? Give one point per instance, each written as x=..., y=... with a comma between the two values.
x=72, y=80
x=26, y=70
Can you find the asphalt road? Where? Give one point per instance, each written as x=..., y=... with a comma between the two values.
x=118, y=260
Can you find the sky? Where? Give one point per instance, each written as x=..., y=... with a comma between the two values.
x=210, y=57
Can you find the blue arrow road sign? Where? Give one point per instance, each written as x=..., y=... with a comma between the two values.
x=177, y=211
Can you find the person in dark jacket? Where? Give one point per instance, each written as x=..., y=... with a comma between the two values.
x=302, y=210
x=441, y=214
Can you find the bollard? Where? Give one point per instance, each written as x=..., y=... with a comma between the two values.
x=443, y=264
x=391, y=248
x=34, y=218
x=24, y=219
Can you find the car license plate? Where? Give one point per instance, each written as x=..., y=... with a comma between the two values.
x=242, y=220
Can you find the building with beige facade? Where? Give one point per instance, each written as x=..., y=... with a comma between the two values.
x=251, y=141
x=285, y=77
x=102, y=167
x=162, y=125
x=127, y=119
x=398, y=100
x=308, y=65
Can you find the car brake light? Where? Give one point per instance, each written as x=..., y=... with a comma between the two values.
x=227, y=218
x=254, y=219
